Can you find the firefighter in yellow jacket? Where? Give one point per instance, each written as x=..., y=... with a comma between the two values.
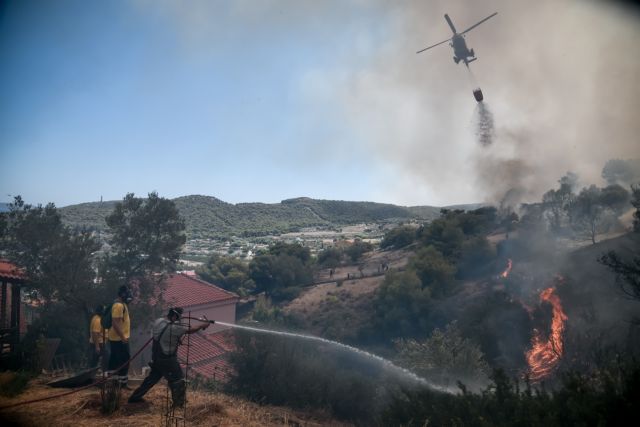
x=97, y=335
x=119, y=334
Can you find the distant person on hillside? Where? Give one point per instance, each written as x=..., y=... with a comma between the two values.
x=167, y=334
x=119, y=334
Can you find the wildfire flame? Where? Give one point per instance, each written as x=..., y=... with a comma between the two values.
x=545, y=354
x=506, y=272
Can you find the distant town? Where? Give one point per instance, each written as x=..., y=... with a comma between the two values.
x=314, y=238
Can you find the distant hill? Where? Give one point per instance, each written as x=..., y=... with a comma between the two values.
x=425, y=212
x=343, y=212
x=4, y=207
x=207, y=216
x=87, y=215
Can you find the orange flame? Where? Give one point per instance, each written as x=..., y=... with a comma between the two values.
x=506, y=272
x=545, y=355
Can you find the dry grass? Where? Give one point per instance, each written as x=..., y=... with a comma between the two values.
x=313, y=297
x=339, y=312
x=353, y=289
x=203, y=409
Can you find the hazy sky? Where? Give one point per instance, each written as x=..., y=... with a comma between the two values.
x=253, y=100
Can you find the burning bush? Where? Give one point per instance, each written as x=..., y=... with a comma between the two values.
x=502, y=327
x=547, y=349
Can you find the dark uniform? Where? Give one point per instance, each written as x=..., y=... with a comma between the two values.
x=164, y=363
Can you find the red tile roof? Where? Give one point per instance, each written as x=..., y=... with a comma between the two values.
x=208, y=354
x=11, y=272
x=199, y=348
x=185, y=291
x=223, y=339
x=218, y=370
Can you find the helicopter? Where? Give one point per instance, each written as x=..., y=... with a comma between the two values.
x=460, y=49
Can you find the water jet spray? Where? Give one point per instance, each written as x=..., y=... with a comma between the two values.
x=381, y=360
x=384, y=362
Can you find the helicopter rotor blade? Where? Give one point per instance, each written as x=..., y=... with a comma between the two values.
x=434, y=45
x=475, y=25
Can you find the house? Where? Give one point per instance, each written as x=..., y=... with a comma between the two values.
x=199, y=298
x=207, y=354
x=206, y=350
x=12, y=324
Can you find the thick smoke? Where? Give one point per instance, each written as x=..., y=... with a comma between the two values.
x=561, y=78
x=563, y=96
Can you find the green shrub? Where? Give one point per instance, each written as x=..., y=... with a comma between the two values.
x=357, y=249
x=264, y=311
x=304, y=375
x=286, y=294
x=399, y=237
x=330, y=257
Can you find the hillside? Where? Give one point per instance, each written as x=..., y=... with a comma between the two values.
x=337, y=310
x=344, y=212
x=87, y=215
x=209, y=217
x=590, y=296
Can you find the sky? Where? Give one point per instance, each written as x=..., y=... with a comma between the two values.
x=264, y=100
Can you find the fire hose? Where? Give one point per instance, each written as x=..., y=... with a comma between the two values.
x=202, y=319
x=75, y=390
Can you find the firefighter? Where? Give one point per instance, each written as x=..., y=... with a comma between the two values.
x=167, y=333
x=97, y=351
x=119, y=334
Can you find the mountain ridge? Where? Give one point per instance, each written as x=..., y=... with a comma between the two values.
x=210, y=217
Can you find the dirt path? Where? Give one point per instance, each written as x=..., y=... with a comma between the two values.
x=374, y=264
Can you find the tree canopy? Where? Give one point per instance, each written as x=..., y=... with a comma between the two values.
x=446, y=357
x=284, y=266
x=402, y=305
x=625, y=172
x=227, y=272
x=70, y=271
x=58, y=261
x=146, y=236
x=593, y=209
x=399, y=237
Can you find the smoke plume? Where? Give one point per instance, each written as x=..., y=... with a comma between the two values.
x=561, y=78
x=563, y=98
